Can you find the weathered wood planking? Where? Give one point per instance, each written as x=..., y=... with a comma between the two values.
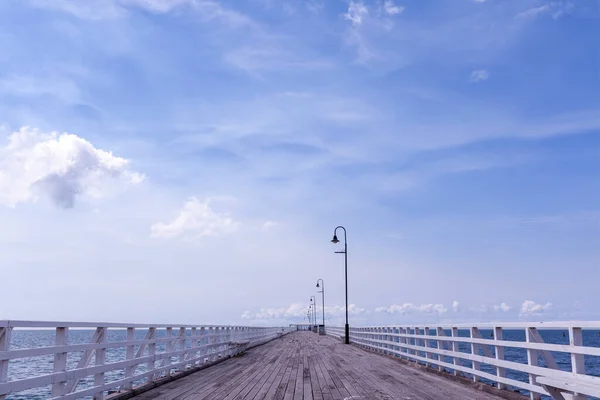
x=302, y=366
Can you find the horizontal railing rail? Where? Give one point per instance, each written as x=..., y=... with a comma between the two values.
x=74, y=360
x=542, y=359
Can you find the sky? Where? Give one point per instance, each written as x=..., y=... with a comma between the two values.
x=187, y=161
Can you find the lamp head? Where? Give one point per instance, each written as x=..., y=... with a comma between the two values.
x=335, y=239
x=318, y=284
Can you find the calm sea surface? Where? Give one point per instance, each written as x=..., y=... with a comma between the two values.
x=35, y=366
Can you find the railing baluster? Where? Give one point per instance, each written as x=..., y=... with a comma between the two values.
x=60, y=360
x=532, y=359
x=182, y=341
x=439, y=332
x=577, y=360
x=129, y=355
x=5, y=334
x=151, y=353
x=455, y=351
x=500, y=371
x=193, y=345
x=426, y=343
x=475, y=351
x=166, y=362
x=100, y=359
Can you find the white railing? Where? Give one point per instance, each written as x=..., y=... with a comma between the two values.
x=508, y=355
x=54, y=359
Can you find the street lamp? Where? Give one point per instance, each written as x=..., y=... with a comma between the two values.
x=345, y=252
x=313, y=302
x=322, y=298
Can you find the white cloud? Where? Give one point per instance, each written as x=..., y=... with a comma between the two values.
x=408, y=308
x=25, y=85
x=269, y=225
x=479, y=75
x=391, y=9
x=298, y=310
x=555, y=9
x=455, y=306
x=356, y=12
x=503, y=306
x=59, y=166
x=530, y=307
x=195, y=220
x=110, y=9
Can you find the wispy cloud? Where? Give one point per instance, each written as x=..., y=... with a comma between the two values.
x=408, y=308
x=62, y=167
x=356, y=12
x=391, y=9
x=555, y=9
x=502, y=306
x=479, y=75
x=110, y=9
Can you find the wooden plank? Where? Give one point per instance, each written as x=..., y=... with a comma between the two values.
x=303, y=366
x=291, y=385
x=306, y=383
x=260, y=391
x=276, y=384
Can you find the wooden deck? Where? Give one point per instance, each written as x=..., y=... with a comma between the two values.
x=303, y=365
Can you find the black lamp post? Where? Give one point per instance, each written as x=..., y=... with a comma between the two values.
x=345, y=252
x=313, y=302
x=322, y=297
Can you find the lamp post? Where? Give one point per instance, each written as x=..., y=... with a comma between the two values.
x=345, y=252
x=322, y=297
x=313, y=302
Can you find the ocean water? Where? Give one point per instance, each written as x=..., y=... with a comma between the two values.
x=35, y=366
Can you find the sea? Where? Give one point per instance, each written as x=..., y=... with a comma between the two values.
x=36, y=366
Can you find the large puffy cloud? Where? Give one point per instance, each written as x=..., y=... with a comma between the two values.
x=408, y=308
x=62, y=167
x=530, y=307
x=195, y=220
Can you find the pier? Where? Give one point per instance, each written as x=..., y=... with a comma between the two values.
x=465, y=361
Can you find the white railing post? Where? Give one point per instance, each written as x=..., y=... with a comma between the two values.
x=532, y=360
x=428, y=355
x=455, y=359
x=182, y=348
x=193, y=345
x=441, y=345
x=152, y=353
x=405, y=342
x=409, y=341
x=214, y=341
x=500, y=371
x=166, y=362
x=5, y=334
x=60, y=360
x=129, y=355
x=100, y=359
x=418, y=343
x=577, y=360
x=475, y=351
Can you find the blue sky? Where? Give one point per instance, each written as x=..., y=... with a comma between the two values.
x=187, y=160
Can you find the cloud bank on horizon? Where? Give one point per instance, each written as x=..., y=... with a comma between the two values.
x=208, y=148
